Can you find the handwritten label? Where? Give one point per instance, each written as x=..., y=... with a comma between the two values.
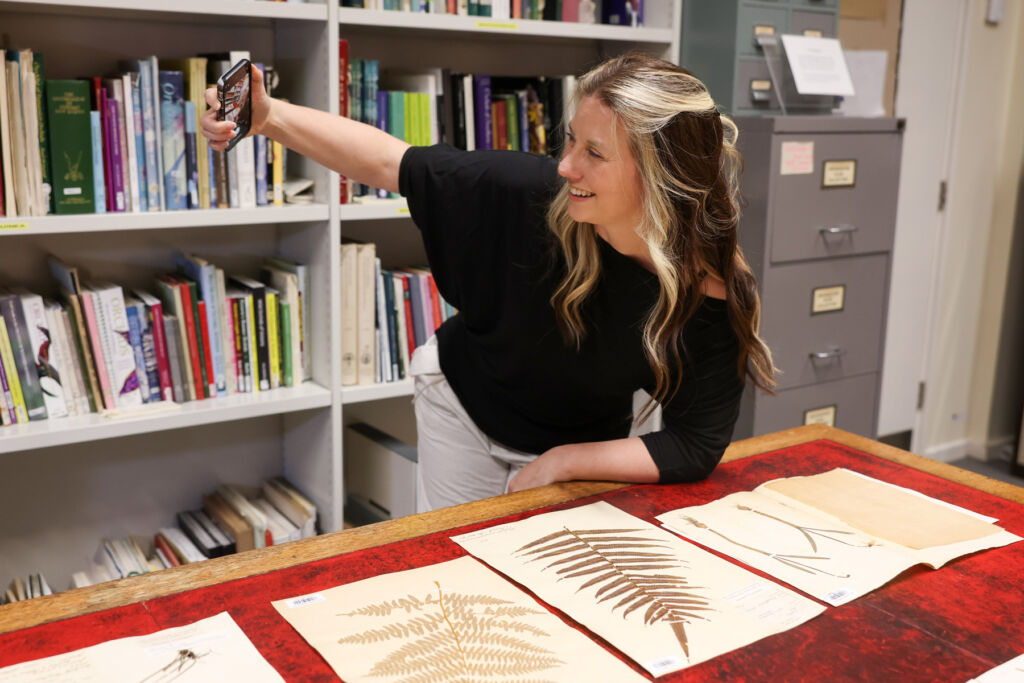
x=821, y=416
x=813, y=33
x=497, y=25
x=663, y=665
x=304, y=600
x=13, y=226
x=797, y=158
x=828, y=299
x=839, y=173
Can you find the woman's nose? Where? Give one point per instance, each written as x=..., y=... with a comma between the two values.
x=566, y=168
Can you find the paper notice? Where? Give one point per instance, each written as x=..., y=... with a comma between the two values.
x=797, y=158
x=818, y=65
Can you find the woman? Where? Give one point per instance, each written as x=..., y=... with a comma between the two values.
x=577, y=282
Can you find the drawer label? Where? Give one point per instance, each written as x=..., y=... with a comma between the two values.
x=821, y=416
x=839, y=173
x=828, y=299
x=797, y=158
x=760, y=85
x=764, y=30
x=813, y=33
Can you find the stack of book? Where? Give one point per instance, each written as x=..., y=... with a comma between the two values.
x=203, y=335
x=618, y=12
x=385, y=315
x=232, y=519
x=468, y=111
x=127, y=142
x=24, y=589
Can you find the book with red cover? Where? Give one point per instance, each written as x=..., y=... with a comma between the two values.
x=410, y=333
x=160, y=542
x=204, y=330
x=190, y=333
x=500, y=123
x=97, y=349
x=435, y=301
x=343, y=76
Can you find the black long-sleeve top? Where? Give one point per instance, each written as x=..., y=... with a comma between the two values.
x=481, y=215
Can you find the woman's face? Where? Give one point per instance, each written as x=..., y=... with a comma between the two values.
x=604, y=184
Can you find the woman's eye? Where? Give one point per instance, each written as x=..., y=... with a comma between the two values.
x=594, y=154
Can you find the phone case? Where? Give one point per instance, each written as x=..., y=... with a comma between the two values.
x=234, y=89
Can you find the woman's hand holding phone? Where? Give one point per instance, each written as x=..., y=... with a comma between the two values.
x=221, y=133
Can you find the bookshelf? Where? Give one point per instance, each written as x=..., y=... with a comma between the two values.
x=69, y=482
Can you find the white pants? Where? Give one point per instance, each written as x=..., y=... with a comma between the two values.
x=457, y=462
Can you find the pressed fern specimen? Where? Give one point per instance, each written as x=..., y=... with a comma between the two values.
x=618, y=564
x=456, y=637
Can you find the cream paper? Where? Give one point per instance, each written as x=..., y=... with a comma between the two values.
x=1007, y=672
x=453, y=621
x=820, y=553
x=213, y=649
x=663, y=602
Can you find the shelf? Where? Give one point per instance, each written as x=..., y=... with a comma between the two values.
x=160, y=220
x=83, y=428
x=375, y=392
x=514, y=28
x=375, y=210
x=243, y=11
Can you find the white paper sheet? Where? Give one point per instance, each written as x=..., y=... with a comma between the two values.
x=213, y=649
x=452, y=621
x=662, y=601
x=1007, y=672
x=818, y=65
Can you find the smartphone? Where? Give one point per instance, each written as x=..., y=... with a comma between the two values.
x=234, y=90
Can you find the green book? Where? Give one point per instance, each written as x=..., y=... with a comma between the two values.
x=193, y=292
x=396, y=114
x=70, y=138
x=286, y=343
x=425, y=105
x=512, y=121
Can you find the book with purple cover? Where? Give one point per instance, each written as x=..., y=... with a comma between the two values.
x=482, y=108
x=115, y=157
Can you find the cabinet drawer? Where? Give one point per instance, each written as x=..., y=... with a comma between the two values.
x=754, y=21
x=823, y=320
x=847, y=404
x=753, y=88
x=833, y=195
x=815, y=3
x=819, y=24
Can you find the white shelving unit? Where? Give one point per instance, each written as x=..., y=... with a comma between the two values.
x=67, y=483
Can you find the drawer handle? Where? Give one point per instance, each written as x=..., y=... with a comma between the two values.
x=840, y=229
x=827, y=355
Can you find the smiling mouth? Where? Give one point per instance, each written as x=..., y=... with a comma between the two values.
x=575, y=192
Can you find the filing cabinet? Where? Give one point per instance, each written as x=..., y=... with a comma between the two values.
x=817, y=228
x=719, y=44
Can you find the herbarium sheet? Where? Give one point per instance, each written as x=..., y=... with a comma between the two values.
x=662, y=601
x=836, y=535
x=213, y=649
x=447, y=622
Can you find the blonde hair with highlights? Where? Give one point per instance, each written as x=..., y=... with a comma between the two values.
x=689, y=170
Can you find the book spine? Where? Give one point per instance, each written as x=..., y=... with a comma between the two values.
x=8, y=412
x=21, y=345
x=343, y=108
x=172, y=127
x=70, y=128
x=435, y=302
x=115, y=158
x=349, y=315
x=124, y=382
x=95, y=343
x=140, y=141
x=128, y=143
x=153, y=67
x=205, y=341
x=273, y=339
x=287, y=352
x=192, y=339
x=262, y=347
x=40, y=340
x=383, y=111
x=410, y=319
x=211, y=164
x=98, y=172
x=225, y=343
x=160, y=348
x=20, y=411
x=250, y=363
x=149, y=137
x=232, y=362
x=43, y=132
x=401, y=330
x=135, y=339
x=175, y=360
x=191, y=157
x=81, y=389
x=277, y=173
x=260, y=147
x=482, y=107
x=239, y=321
x=381, y=316
x=151, y=367
x=222, y=179
x=85, y=358
x=386, y=284
x=243, y=156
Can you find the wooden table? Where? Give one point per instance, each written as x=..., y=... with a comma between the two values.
x=170, y=581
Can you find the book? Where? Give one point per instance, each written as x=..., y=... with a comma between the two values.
x=237, y=528
x=131, y=307
x=17, y=408
x=225, y=544
x=112, y=318
x=8, y=414
x=83, y=348
x=258, y=326
x=256, y=519
x=168, y=290
x=191, y=157
x=22, y=350
x=99, y=190
x=193, y=326
x=70, y=128
x=366, y=313
x=74, y=361
x=287, y=284
x=238, y=303
x=273, y=336
x=349, y=314
x=199, y=537
x=172, y=127
x=205, y=343
x=261, y=151
x=22, y=184
x=302, y=272
x=124, y=164
x=280, y=528
x=292, y=504
x=176, y=361
x=383, y=361
x=40, y=346
x=205, y=275
x=149, y=352
x=6, y=149
x=195, y=77
x=242, y=158
x=165, y=551
x=155, y=322
x=129, y=143
x=482, y=109
x=401, y=319
x=151, y=141
x=132, y=84
x=116, y=189
x=182, y=546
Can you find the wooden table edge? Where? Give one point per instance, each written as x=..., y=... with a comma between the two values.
x=134, y=589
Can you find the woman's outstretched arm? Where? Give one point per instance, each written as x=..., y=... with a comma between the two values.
x=355, y=150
